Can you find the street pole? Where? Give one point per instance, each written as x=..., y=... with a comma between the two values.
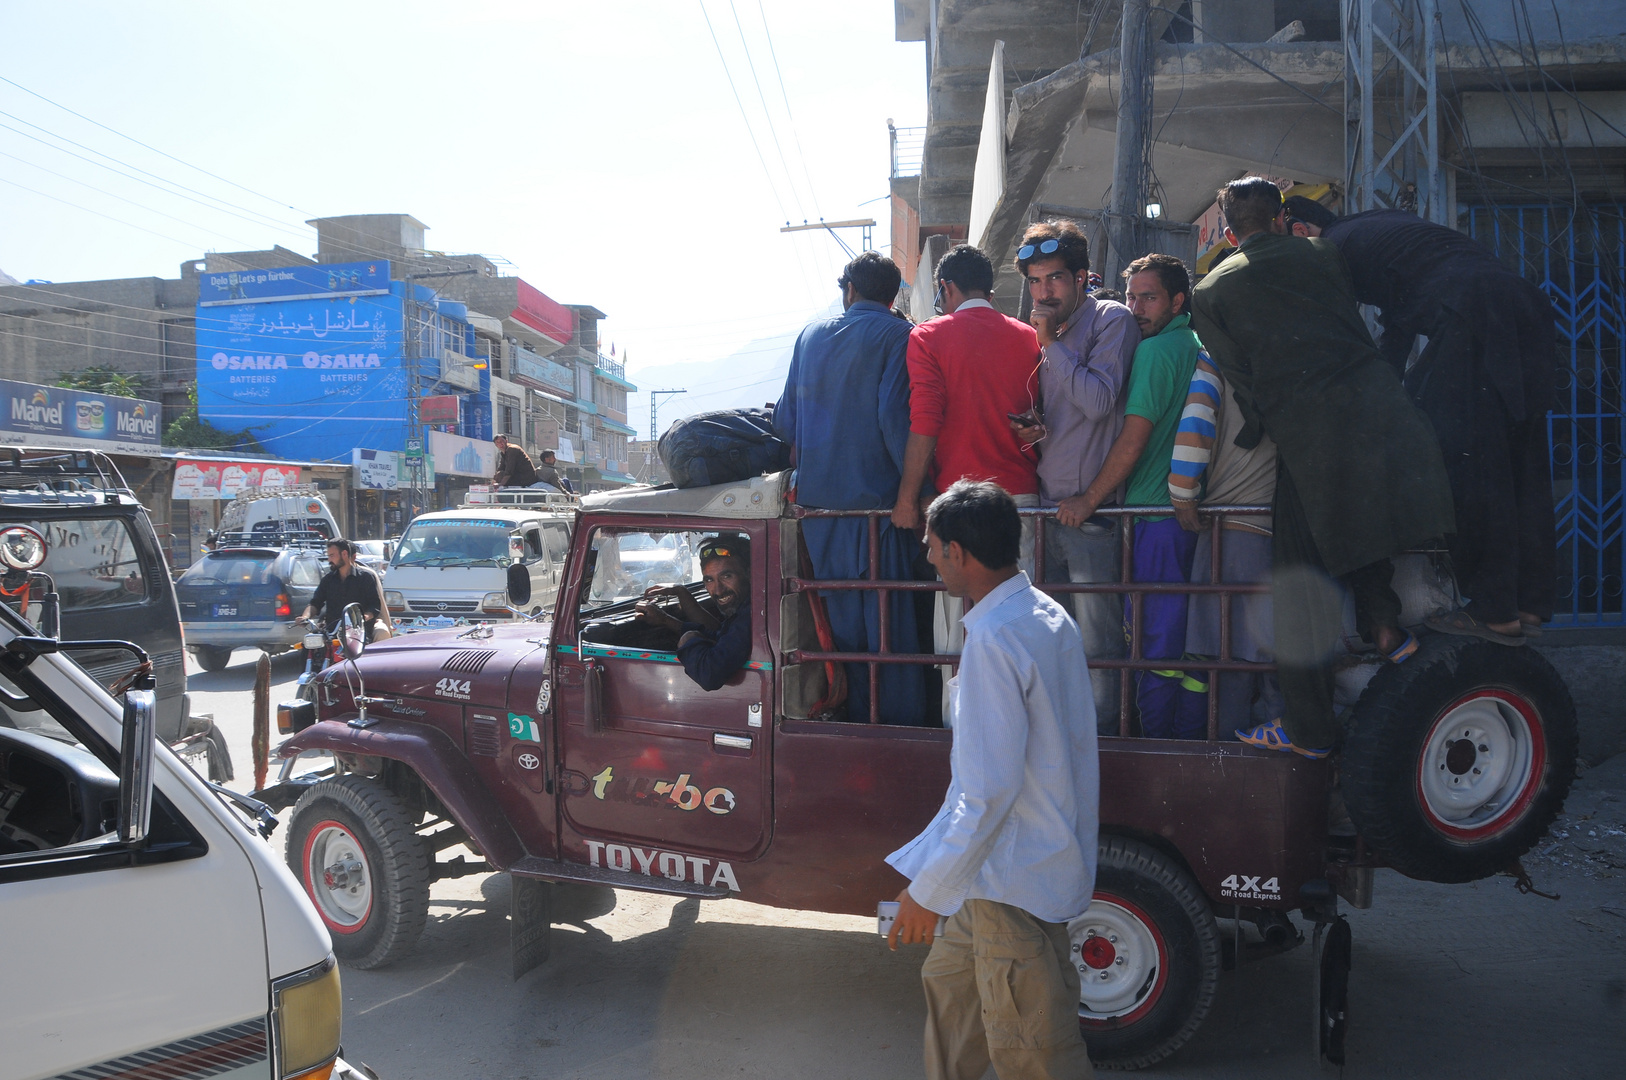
x=1125, y=218
x=654, y=404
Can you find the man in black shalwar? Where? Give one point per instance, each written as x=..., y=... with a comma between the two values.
x=1485, y=379
x=1360, y=476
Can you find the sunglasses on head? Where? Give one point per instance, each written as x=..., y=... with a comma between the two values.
x=719, y=551
x=1046, y=247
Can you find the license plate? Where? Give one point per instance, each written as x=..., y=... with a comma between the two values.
x=225, y=609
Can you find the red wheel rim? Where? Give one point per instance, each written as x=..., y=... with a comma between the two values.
x=311, y=874
x=1143, y=925
x=1480, y=727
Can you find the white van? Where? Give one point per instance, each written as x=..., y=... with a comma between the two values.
x=150, y=929
x=482, y=560
x=298, y=510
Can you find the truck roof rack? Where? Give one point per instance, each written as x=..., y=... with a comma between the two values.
x=279, y=538
x=38, y=475
x=520, y=497
x=288, y=491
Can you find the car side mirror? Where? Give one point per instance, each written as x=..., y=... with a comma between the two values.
x=519, y=584
x=135, y=765
x=352, y=631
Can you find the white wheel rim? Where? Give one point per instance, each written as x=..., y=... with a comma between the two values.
x=1120, y=959
x=1480, y=763
x=339, y=879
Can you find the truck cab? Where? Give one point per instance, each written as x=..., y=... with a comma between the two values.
x=579, y=750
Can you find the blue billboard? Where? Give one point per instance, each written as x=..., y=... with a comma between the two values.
x=53, y=416
x=311, y=379
x=294, y=283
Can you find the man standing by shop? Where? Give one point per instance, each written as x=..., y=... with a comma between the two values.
x=514, y=468
x=970, y=371
x=1485, y=380
x=1360, y=476
x=845, y=414
x=1010, y=858
x=1087, y=345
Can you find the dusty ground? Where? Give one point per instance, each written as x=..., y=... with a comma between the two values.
x=1449, y=981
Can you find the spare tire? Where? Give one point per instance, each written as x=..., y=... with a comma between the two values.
x=1457, y=761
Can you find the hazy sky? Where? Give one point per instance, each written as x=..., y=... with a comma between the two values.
x=597, y=148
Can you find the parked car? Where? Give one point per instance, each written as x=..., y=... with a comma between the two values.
x=247, y=595
x=374, y=555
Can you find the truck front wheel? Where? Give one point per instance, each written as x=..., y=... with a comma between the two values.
x=1148, y=956
x=353, y=847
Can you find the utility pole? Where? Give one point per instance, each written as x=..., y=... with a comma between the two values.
x=866, y=224
x=1406, y=176
x=1125, y=219
x=654, y=404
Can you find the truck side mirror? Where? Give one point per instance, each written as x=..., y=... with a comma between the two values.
x=352, y=631
x=135, y=765
x=519, y=584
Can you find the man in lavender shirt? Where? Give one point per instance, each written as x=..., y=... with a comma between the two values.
x=1088, y=345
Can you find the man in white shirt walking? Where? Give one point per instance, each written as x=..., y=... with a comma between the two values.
x=1010, y=857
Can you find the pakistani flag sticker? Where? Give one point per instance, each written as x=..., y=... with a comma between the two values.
x=523, y=727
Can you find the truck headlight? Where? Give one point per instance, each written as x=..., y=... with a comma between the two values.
x=306, y=1010
x=494, y=601
x=394, y=599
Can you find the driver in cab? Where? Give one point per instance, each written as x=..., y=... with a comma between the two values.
x=712, y=647
x=347, y=582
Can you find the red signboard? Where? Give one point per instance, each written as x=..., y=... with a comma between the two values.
x=544, y=314
x=438, y=409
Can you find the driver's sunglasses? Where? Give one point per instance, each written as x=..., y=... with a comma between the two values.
x=718, y=551
x=1046, y=247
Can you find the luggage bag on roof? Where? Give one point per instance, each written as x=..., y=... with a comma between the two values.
x=722, y=447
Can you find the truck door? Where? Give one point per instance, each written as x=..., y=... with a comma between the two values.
x=657, y=775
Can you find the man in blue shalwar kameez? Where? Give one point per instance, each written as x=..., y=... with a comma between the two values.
x=845, y=410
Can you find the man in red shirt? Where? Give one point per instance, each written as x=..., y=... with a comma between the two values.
x=970, y=372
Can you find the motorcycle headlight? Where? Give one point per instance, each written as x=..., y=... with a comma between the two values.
x=314, y=641
x=306, y=1010
x=394, y=599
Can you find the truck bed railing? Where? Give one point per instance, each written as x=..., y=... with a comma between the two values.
x=1215, y=518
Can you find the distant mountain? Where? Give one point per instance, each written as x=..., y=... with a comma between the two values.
x=750, y=376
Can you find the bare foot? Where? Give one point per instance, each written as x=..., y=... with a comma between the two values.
x=1388, y=638
x=1527, y=619
x=1511, y=629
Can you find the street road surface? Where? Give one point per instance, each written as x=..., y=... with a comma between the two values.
x=1472, y=981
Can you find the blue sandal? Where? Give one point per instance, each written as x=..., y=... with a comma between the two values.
x=1271, y=737
x=1403, y=651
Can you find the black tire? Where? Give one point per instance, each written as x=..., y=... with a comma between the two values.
x=356, y=826
x=1437, y=804
x=1160, y=955
x=212, y=657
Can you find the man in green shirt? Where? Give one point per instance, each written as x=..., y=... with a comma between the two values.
x=1157, y=290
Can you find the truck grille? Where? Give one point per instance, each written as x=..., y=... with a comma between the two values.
x=484, y=736
x=468, y=661
x=442, y=607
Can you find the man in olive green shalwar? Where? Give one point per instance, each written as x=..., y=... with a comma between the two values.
x=1360, y=477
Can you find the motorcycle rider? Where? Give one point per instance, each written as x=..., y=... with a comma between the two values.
x=346, y=583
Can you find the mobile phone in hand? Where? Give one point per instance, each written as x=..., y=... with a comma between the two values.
x=1026, y=419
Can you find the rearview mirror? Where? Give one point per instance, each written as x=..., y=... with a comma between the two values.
x=135, y=765
x=352, y=631
x=519, y=584
x=21, y=548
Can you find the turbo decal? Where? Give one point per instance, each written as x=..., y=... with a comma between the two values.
x=680, y=794
x=523, y=727
x=670, y=864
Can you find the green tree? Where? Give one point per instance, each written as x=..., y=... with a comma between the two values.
x=192, y=432
x=102, y=379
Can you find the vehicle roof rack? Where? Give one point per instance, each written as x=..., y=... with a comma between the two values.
x=283, y=538
x=519, y=497
x=44, y=474
x=287, y=491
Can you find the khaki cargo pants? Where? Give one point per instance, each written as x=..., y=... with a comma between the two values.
x=1001, y=987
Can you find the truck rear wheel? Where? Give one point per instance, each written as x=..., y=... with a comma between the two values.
x=1148, y=955
x=353, y=847
x=1457, y=761
x=212, y=657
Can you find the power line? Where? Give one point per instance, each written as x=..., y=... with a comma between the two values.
x=802, y=155
x=767, y=115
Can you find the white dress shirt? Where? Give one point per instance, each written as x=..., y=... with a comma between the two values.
x=1019, y=823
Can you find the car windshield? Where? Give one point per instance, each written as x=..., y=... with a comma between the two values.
x=229, y=568
x=626, y=562
x=454, y=543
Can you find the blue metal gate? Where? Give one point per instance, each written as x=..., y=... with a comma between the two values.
x=1577, y=254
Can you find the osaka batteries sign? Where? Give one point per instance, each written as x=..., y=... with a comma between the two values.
x=52, y=416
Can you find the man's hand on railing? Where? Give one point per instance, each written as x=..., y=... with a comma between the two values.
x=906, y=513
x=1076, y=510
x=1185, y=512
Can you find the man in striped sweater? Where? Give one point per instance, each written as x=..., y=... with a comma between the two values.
x=1210, y=469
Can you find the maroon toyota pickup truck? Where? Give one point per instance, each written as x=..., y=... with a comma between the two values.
x=578, y=751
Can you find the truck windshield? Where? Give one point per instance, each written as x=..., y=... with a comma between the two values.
x=628, y=561
x=454, y=543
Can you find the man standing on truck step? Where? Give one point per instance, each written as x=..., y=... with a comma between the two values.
x=347, y=582
x=970, y=371
x=712, y=655
x=1360, y=477
x=1088, y=345
x=845, y=415
x=1010, y=857
x=1485, y=380
x=514, y=468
